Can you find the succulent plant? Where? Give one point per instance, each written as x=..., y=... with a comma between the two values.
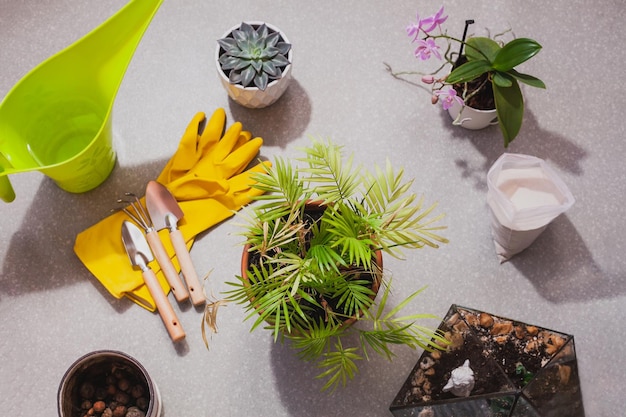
x=253, y=55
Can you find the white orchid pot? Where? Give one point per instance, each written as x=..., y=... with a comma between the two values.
x=471, y=118
x=253, y=97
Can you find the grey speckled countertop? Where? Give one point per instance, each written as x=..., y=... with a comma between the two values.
x=572, y=279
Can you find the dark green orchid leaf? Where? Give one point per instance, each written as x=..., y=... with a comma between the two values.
x=510, y=110
x=527, y=79
x=481, y=48
x=469, y=71
x=514, y=53
x=502, y=79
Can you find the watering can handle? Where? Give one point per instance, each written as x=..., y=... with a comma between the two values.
x=6, y=189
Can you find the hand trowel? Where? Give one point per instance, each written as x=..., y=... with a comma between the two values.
x=165, y=213
x=140, y=255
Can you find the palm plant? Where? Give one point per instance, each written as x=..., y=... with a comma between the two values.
x=312, y=263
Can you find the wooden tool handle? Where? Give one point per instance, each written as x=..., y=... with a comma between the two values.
x=178, y=288
x=173, y=326
x=186, y=265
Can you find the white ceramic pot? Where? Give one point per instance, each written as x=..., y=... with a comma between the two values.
x=472, y=118
x=96, y=366
x=252, y=97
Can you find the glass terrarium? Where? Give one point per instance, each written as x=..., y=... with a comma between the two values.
x=517, y=370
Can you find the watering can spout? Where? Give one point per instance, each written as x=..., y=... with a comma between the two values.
x=57, y=118
x=7, y=194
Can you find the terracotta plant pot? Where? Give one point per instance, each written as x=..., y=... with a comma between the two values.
x=253, y=97
x=519, y=370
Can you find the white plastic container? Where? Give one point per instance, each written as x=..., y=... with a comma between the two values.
x=524, y=196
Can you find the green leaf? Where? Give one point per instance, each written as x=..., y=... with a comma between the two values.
x=228, y=62
x=272, y=39
x=481, y=48
x=269, y=52
x=514, y=53
x=510, y=110
x=340, y=365
x=469, y=71
x=228, y=44
x=270, y=68
x=354, y=296
x=261, y=80
x=284, y=48
x=527, y=79
x=312, y=343
x=280, y=60
x=502, y=79
x=257, y=64
x=400, y=306
x=247, y=75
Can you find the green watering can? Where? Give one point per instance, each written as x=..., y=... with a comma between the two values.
x=57, y=119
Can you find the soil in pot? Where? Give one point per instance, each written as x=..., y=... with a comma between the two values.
x=483, y=99
x=519, y=369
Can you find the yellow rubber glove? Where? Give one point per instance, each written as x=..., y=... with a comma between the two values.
x=206, y=151
x=207, y=177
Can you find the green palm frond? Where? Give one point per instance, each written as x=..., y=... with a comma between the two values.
x=354, y=243
x=313, y=343
x=333, y=178
x=355, y=296
x=339, y=366
x=267, y=237
x=283, y=191
x=379, y=340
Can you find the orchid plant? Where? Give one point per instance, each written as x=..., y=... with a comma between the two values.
x=487, y=66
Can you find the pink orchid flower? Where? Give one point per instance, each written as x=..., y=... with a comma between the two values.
x=425, y=25
x=414, y=29
x=425, y=48
x=448, y=97
x=430, y=23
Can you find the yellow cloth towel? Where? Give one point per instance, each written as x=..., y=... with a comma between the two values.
x=208, y=177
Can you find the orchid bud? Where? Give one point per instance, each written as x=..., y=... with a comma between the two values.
x=428, y=79
x=434, y=99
